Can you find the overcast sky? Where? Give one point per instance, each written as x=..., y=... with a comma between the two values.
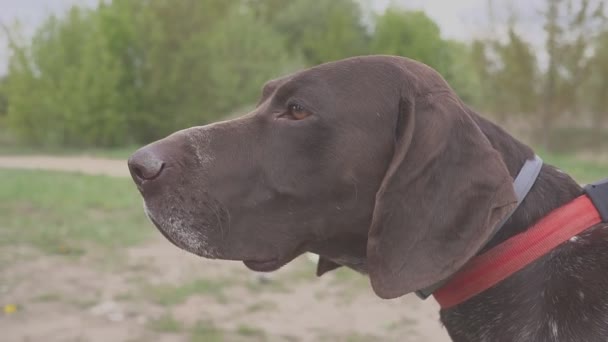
x=458, y=19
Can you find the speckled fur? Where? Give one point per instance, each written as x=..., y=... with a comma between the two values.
x=561, y=297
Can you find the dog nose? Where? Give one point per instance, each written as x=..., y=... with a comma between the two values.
x=145, y=165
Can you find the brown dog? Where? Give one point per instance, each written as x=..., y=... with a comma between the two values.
x=375, y=164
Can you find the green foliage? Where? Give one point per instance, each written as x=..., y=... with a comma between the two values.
x=134, y=71
x=460, y=72
x=67, y=89
x=413, y=34
x=511, y=79
x=199, y=60
x=326, y=31
x=3, y=99
x=566, y=90
x=596, y=87
x=131, y=71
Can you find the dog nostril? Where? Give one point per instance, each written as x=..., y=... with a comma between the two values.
x=150, y=172
x=137, y=171
x=158, y=172
x=145, y=166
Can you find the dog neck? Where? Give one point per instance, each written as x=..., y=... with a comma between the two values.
x=532, y=305
x=552, y=189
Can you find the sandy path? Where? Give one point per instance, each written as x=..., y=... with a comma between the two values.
x=88, y=165
x=297, y=313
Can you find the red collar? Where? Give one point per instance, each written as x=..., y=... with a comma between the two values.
x=497, y=264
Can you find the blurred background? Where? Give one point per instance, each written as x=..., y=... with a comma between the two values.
x=83, y=83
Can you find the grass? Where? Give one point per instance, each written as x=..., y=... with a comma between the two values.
x=401, y=324
x=584, y=171
x=169, y=295
x=204, y=331
x=352, y=337
x=124, y=296
x=84, y=303
x=349, y=284
x=48, y=297
x=166, y=324
x=248, y=331
x=261, y=306
x=207, y=331
x=63, y=213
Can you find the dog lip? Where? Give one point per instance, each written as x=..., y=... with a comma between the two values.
x=273, y=263
x=267, y=265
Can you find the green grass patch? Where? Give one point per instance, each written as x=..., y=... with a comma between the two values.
x=124, y=296
x=261, y=306
x=84, y=303
x=166, y=324
x=204, y=331
x=65, y=213
x=584, y=171
x=348, y=284
x=345, y=275
x=169, y=295
x=47, y=297
x=401, y=323
x=352, y=337
x=249, y=331
x=571, y=139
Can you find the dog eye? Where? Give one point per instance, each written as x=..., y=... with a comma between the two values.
x=296, y=112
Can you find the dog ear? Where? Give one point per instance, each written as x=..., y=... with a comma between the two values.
x=445, y=189
x=325, y=265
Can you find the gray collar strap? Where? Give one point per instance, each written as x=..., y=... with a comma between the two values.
x=523, y=183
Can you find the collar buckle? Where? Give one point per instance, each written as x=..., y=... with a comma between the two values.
x=598, y=193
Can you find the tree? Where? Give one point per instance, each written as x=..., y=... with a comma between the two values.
x=63, y=87
x=3, y=97
x=596, y=89
x=414, y=35
x=135, y=71
x=200, y=61
x=569, y=49
x=460, y=72
x=328, y=30
x=509, y=75
x=554, y=92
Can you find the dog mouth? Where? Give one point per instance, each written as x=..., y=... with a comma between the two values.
x=265, y=263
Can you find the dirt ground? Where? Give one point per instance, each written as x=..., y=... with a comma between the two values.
x=155, y=292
